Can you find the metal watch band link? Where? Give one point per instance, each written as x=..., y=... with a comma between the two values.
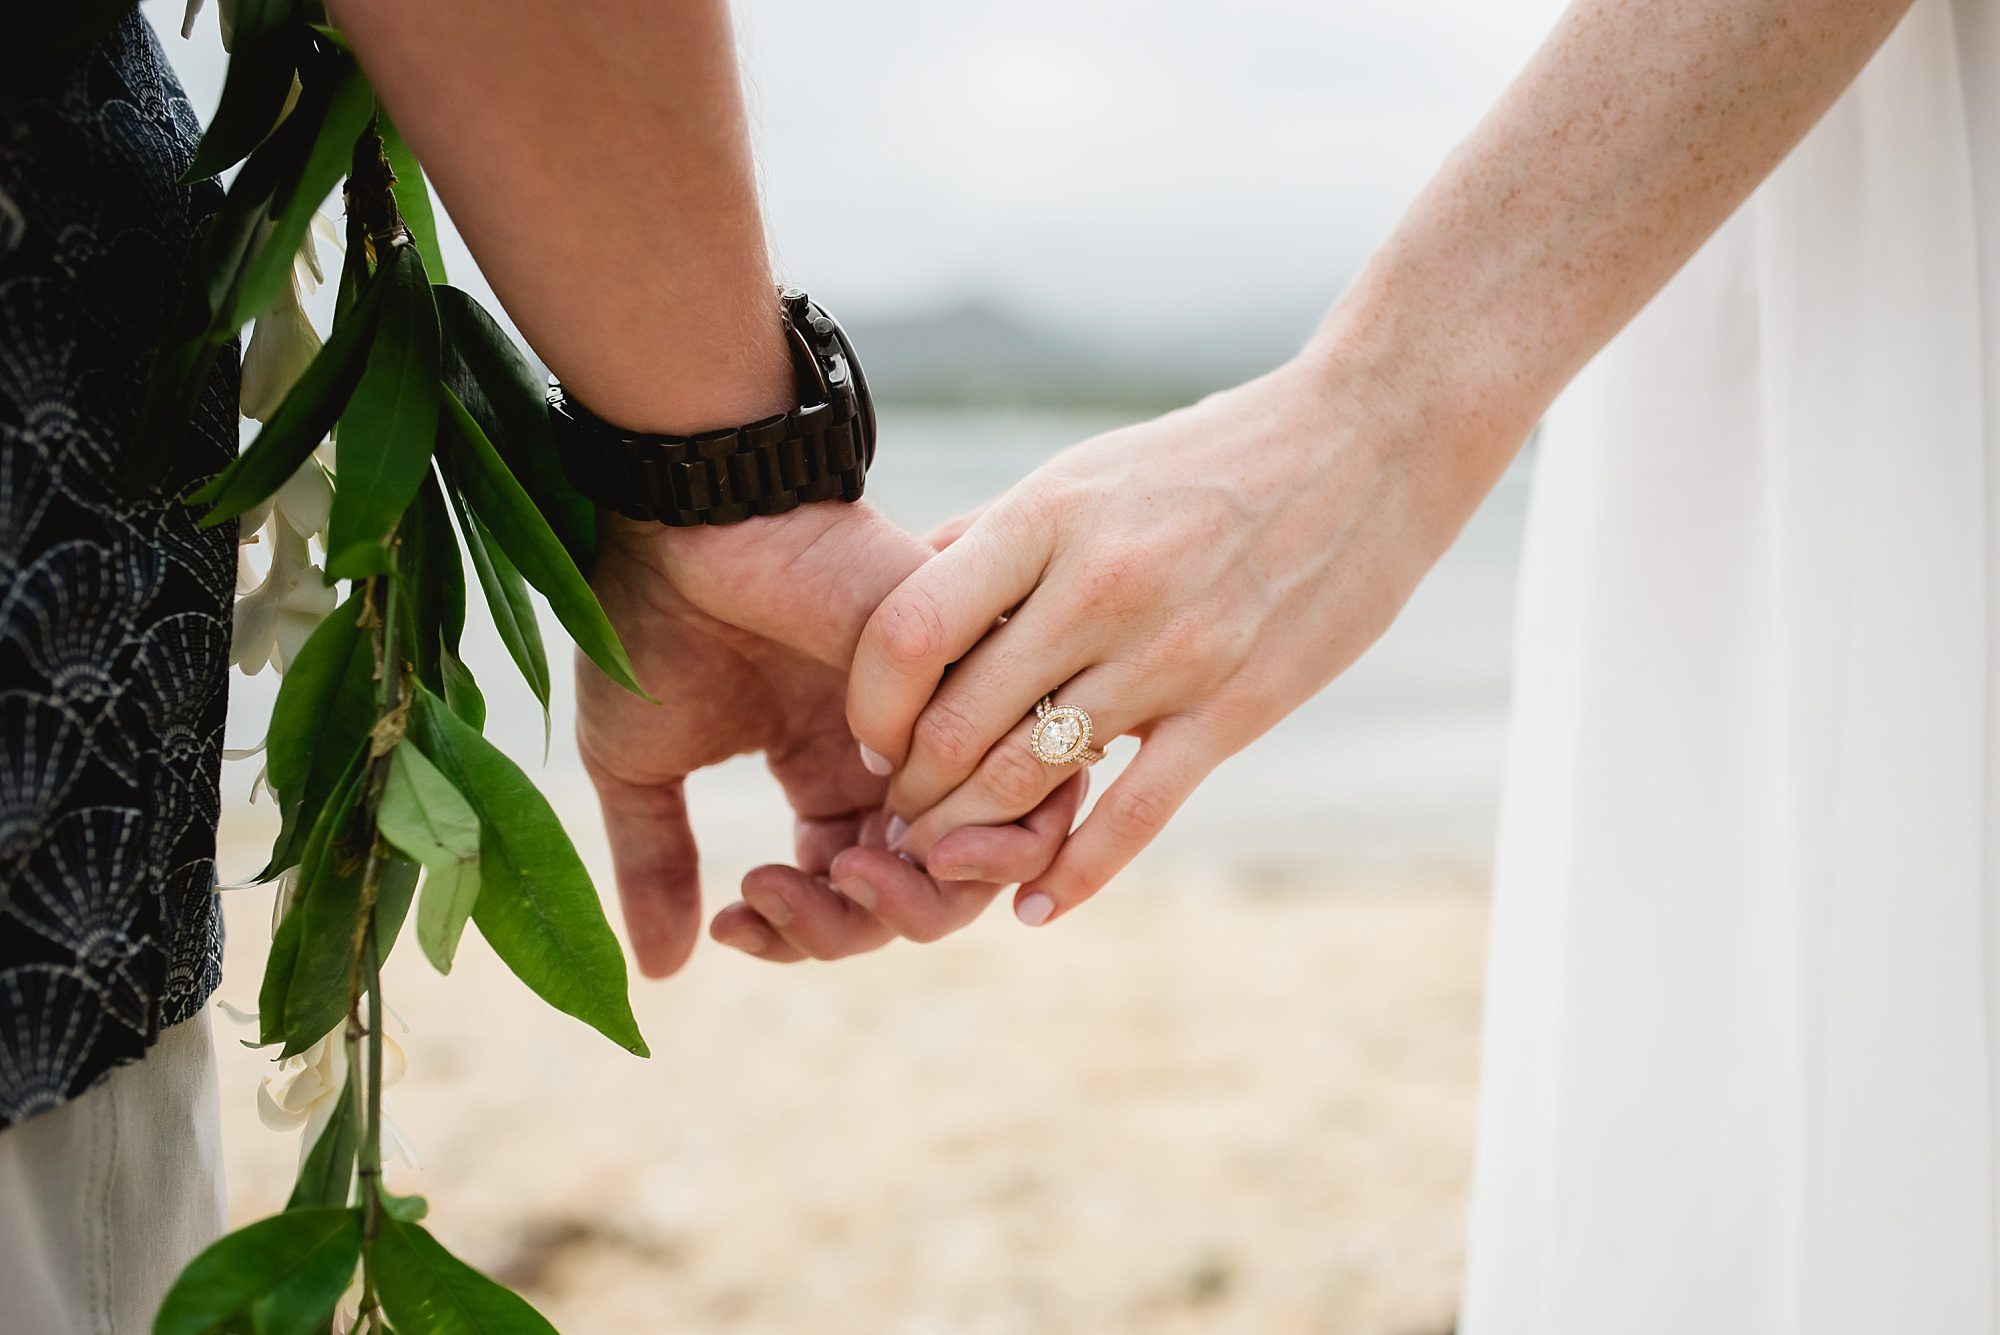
x=817, y=452
x=723, y=477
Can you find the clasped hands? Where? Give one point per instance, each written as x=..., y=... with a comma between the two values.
x=1187, y=581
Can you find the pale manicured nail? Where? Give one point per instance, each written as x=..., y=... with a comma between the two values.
x=959, y=874
x=895, y=830
x=875, y=762
x=861, y=892
x=1034, y=909
x=772, y=908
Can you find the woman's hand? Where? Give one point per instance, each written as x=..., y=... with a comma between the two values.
x=744, y=635
x=1188, y=581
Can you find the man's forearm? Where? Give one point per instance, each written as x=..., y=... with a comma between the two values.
x=1632, y=134
x=595, y=158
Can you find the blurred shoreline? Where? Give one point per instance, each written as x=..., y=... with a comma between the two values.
x=1234, y=1093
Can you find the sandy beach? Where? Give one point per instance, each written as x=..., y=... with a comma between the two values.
x=1207, y=1104
x=1234, y=1094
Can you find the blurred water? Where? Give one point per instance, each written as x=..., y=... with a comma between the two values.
x=1396, y=763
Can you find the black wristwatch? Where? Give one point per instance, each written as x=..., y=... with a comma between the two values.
x=819, y=451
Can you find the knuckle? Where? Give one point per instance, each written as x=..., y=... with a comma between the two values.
x=947, y=734
x=1035, y=507
x=1015, y=778
x=910, y=626
x=1135, y=814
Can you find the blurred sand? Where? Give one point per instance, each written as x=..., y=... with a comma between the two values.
x=1210, y=1102
x=1232, y=1095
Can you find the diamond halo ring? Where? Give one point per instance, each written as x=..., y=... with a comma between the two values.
x=1062, y=734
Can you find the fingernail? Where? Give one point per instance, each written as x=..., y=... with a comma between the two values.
x=959, y=874
x=772, y=908
x=875, y=762
x=860, y=891
x=895, y=830
x=1034, y=909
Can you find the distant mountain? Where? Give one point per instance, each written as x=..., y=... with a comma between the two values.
x=981, y=353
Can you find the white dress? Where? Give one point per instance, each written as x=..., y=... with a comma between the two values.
x=1743, y=1027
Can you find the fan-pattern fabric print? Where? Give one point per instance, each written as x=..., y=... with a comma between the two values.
x=114, y=610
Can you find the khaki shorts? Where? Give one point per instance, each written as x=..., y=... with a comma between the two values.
x=103, y=1200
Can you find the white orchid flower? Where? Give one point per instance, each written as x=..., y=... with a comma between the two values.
x=274, y=620
x=307, y=1089
x=284, y=895
x=328, y=231
x=347, y=1319
x=306, y=500
x=225, y=13
x=313, y=273
x=248, y=576
x=260, y=784
x=282, y=344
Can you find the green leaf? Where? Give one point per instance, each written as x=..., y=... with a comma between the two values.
x=284, y=1274
x=433, y=581
x=409, y=1209
x=314, y=996
x=428, y=819
x=425, y=1290
x=302, y=421
x=386, y=433
x=394, y=892
x=331, y=34
x=413, y=197
x=328, y=1171
x=507, y=599
x=324, y=711
x=518, y=527
x=344, y=116
x=461, y=692
x=280, y=964
x=262, y=59
x=353, y=270
x=536, y=907
x=509, y=400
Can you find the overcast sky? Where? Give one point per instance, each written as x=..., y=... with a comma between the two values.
x=1093, y=162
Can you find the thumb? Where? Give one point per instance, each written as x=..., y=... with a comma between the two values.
x=657, y=866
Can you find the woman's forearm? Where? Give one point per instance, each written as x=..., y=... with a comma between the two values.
x=594, y=156
x=1634, y=131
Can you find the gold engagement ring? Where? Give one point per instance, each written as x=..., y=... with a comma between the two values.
x=1062, y=734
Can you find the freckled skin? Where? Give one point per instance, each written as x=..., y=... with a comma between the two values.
x=1220, y=564
x=1308, y=503
x=1629, y=137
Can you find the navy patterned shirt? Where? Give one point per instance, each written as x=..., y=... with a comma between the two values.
x=114, y=611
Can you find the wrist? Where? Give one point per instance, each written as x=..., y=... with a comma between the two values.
x=1467, y=397
x=686, y=381
x=1442, y=407
x=808, y=579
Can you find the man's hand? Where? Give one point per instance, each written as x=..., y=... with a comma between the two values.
x=724, y=692
x=744, y=634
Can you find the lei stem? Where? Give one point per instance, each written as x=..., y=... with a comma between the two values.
x=367, y=977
